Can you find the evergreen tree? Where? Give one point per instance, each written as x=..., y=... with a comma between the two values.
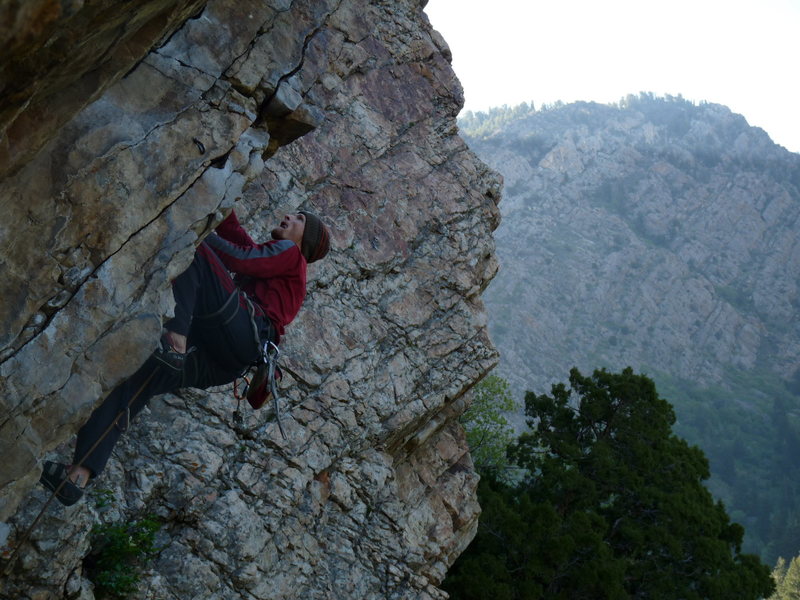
x=791, y=583
x=787, y=580
x=778, y=575
x=613, y=506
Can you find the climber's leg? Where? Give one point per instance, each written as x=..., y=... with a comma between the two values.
x=224, y=347
x=94, y=445
x=222, y=351
x=201, y=289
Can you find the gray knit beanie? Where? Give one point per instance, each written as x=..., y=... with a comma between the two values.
x=316, y=238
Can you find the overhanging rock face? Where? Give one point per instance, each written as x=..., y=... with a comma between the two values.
x=60, y=55
x=347, y=108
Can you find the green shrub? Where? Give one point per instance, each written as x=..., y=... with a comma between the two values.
x=488, y=431
x=119, y=551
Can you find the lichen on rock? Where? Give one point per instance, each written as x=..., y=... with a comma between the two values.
x=346, y=107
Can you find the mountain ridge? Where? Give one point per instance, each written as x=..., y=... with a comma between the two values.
x=655, y=233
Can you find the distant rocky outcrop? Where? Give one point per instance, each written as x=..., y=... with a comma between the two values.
x=666, y=236
x=128, y=131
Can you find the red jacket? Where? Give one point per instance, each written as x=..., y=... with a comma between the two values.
x=273, y=274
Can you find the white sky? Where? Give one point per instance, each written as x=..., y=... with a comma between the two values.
x=740, y=53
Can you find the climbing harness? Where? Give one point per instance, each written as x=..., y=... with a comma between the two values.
x=55, y=492
x=206, y=320
x=263, y=381
x=236, y=393
x=265, y=365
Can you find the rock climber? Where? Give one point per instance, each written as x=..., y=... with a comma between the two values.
x=234, y=297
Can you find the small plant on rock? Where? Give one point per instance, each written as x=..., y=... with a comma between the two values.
x=103, y=498
x=119, y=551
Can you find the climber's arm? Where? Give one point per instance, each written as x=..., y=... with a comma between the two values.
x=271, y=259
x=230, y=229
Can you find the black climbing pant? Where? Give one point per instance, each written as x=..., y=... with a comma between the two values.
x=215, y=317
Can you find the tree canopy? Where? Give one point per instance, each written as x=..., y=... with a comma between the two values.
x=787, y=579
x=488, y=430
x=612, y=506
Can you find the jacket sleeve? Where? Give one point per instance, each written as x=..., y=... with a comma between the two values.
x=230, y=229
x=271, y=259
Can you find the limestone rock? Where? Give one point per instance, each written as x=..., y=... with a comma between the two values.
x=372, y=494
x=60, y=56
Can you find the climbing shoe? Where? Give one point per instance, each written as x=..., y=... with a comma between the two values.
x=52, y=477
x=167, y=355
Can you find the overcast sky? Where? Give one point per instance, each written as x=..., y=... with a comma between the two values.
x=740, y=53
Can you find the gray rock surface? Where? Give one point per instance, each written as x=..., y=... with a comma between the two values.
x=346, y=107
x=663, y=235
x=59, y=56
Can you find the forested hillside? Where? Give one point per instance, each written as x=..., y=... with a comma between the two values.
x=601, y=500
x=662, y=235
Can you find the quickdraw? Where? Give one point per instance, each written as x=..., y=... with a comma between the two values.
x=270, y=356
x=236, y=393
x=267, y=361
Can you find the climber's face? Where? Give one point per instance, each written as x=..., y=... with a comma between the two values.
x=291, y=228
